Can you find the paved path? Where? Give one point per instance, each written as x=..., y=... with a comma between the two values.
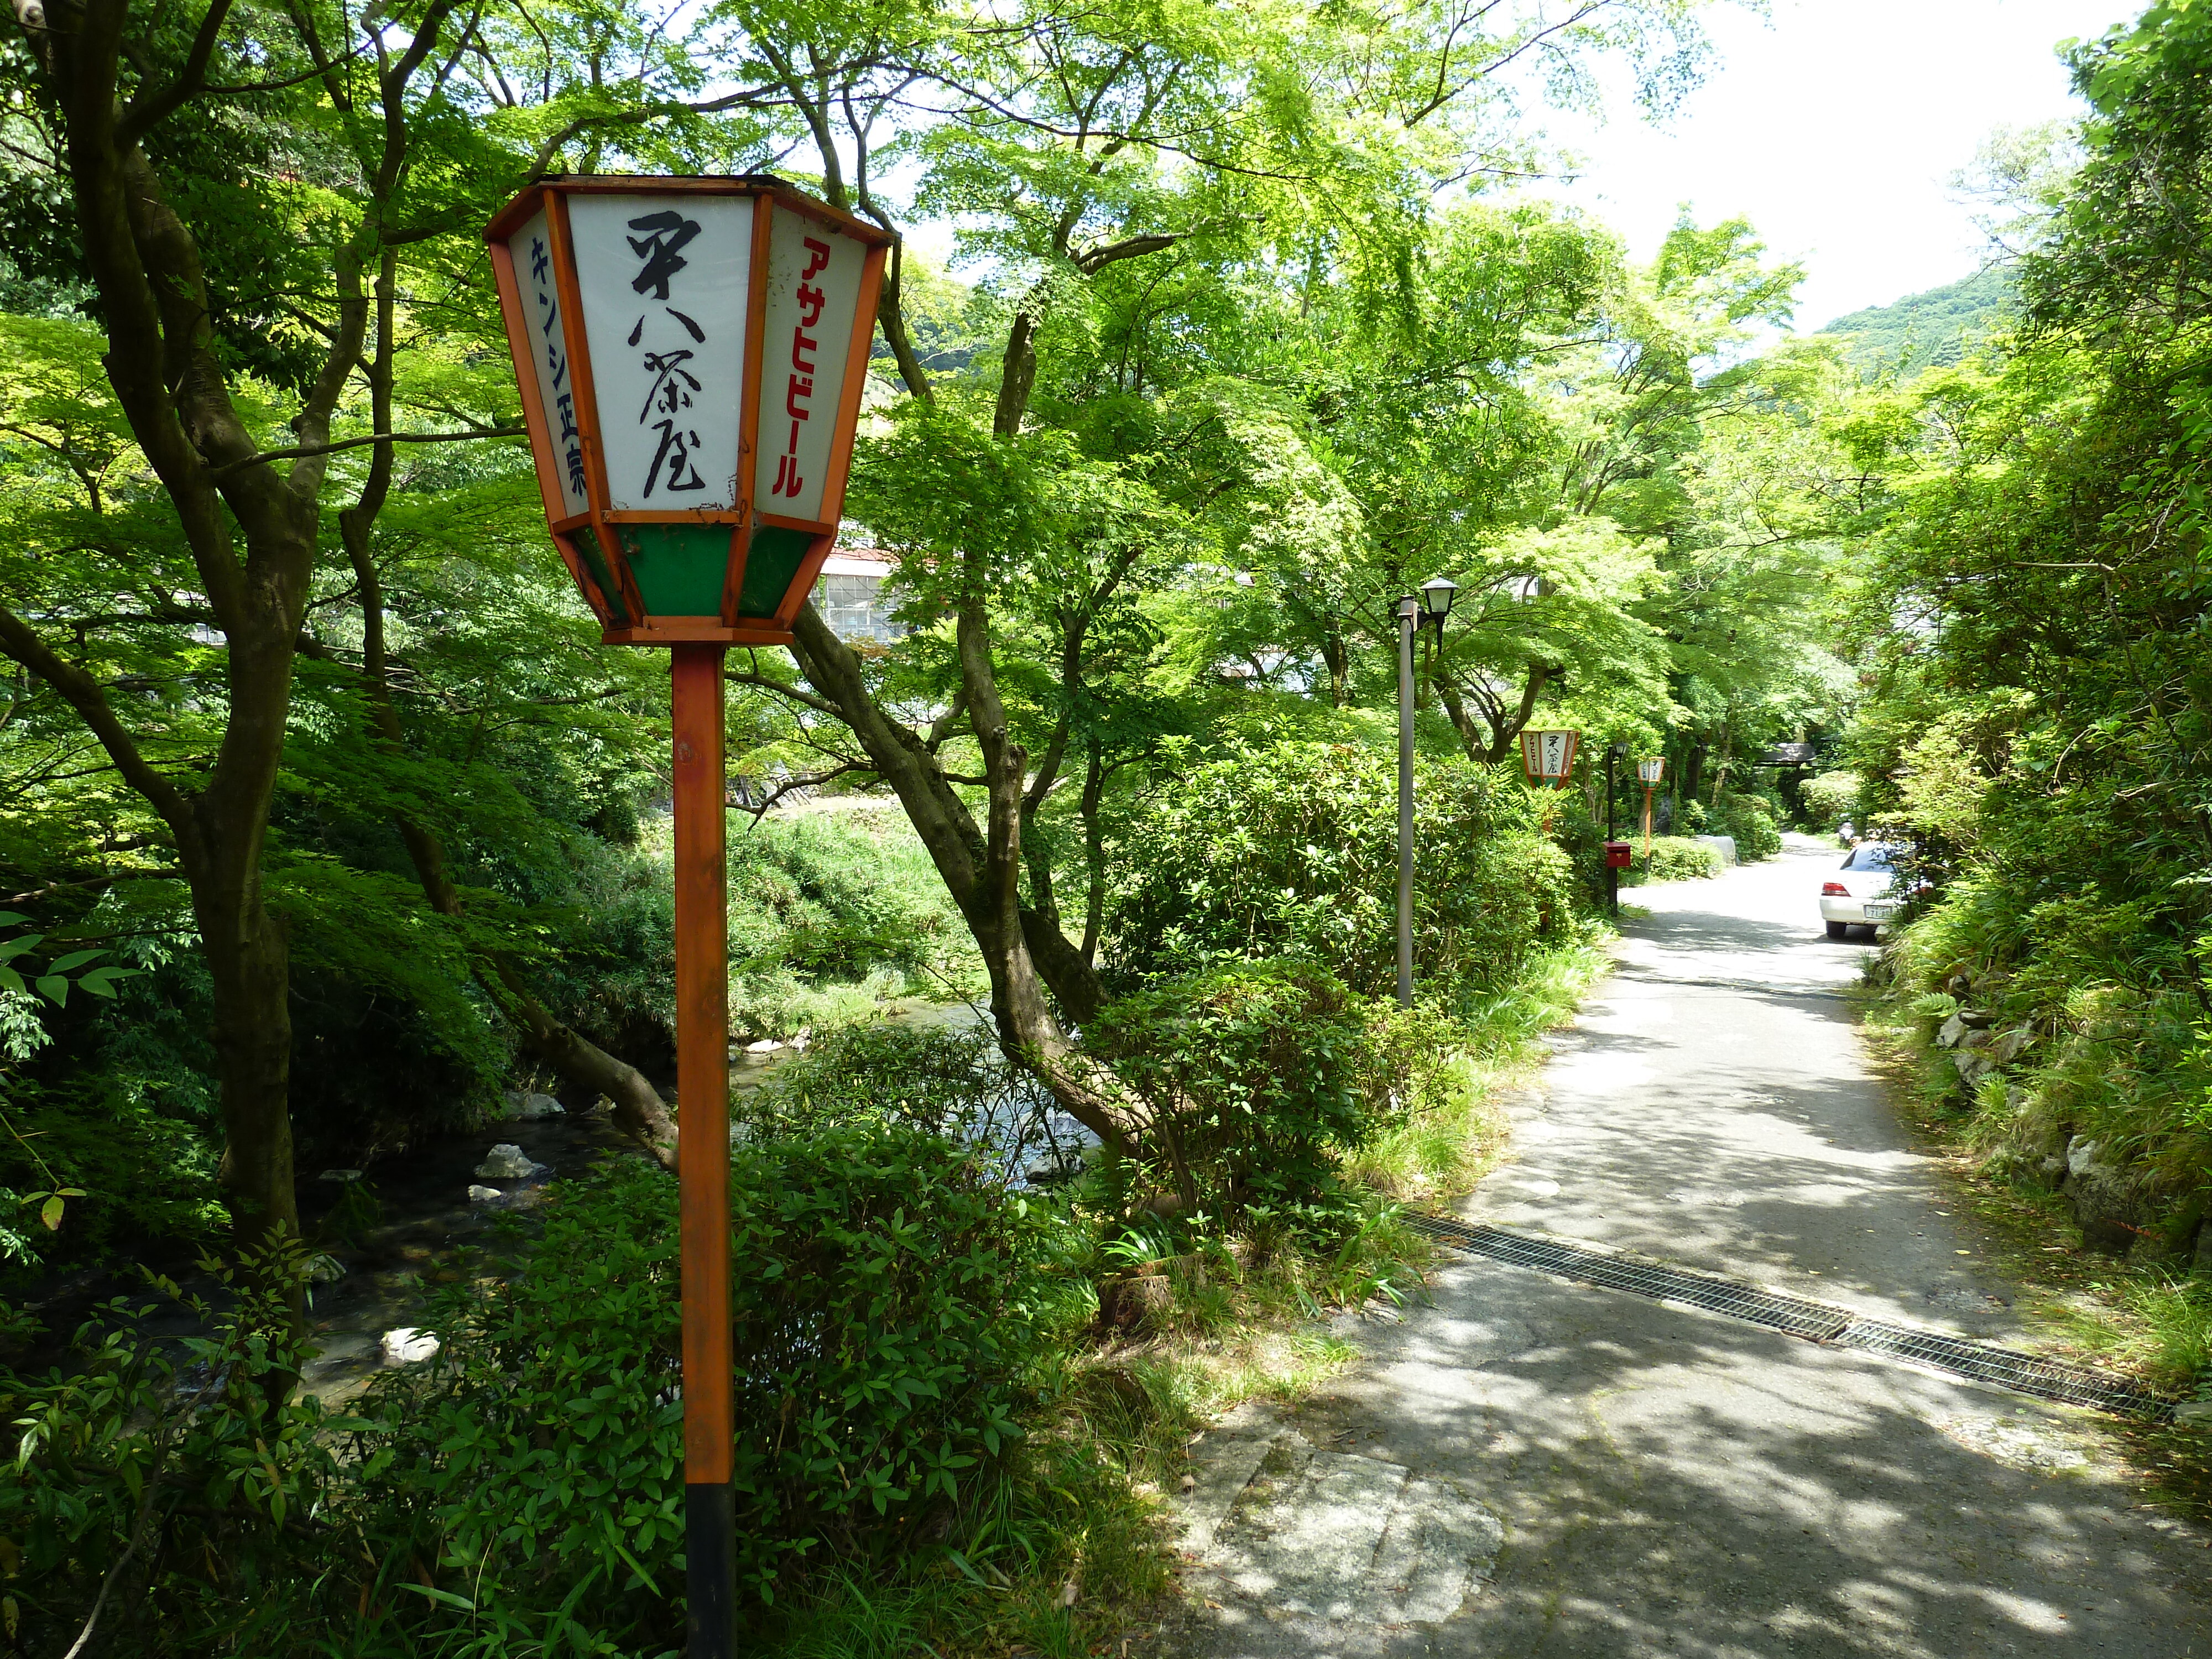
x=1530, y=1468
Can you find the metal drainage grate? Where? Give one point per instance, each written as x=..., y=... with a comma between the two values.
x=2047, y=1379
x=1783, y=1313
x=1815, y=1321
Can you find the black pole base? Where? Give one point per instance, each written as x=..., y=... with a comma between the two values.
x=710, y=1570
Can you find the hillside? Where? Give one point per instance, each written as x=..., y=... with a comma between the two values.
x=1937, y=327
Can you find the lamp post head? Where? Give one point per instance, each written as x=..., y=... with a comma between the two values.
x=690, y=353
x=1437, y=595
x=1617, y=752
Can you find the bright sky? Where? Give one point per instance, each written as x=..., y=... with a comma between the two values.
x=1834, y=127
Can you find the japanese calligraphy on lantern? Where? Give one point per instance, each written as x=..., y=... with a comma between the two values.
x=546, y=328
x=663, y=281
x=813, y=289
x=1547, y=755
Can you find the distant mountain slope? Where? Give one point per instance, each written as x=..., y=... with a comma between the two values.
x=1939, y=326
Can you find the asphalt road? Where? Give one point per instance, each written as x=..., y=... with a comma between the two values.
x=1578, y=1473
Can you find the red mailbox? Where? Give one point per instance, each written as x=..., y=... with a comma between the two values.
x=1617, y=854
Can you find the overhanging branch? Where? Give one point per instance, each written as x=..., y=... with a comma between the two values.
x=356, y=443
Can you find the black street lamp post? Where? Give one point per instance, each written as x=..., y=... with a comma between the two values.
x=1614, y=755
x=1432, y=606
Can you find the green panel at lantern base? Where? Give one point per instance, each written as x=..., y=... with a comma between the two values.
x=678, y=567
x=772, y=562
x=586, y=548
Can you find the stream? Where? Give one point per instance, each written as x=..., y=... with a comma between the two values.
x=420, y=1216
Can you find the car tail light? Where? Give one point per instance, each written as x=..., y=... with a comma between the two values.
x=1834, y=890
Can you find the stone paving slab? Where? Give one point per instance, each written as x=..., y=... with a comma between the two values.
x=1289, y=1533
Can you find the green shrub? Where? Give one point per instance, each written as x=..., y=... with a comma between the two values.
x=1254, y=1079
x=1291, y=850
x=816, y=903
x=1830, y=799
x=161, y=1471
x=2121, y=1055
x=1754, y=822
x=521, y=1493
x=952, y=1080
x=886, y=1300
x=1675, y=858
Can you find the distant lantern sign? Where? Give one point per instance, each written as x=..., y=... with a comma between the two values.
x=691, y=354
x=1648, y=772
x=1548, y=757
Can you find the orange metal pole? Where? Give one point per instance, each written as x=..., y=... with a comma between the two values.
x=1647, y=823
x=703, y=1146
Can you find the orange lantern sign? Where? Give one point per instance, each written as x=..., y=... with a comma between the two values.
x=1548, y=757
x=1648, y=771
x=691, y=354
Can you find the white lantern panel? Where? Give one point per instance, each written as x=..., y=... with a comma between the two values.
x=664, y=281
x=532, y=252
x=1547, y=752
x=813, y=290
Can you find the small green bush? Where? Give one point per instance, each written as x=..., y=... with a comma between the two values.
x=1754, y=822
x=1675, y=858
x=816, y=903
x=885, y=1299
x=1290, y=850
x=161, y=1475
x=1830, y=799
x=521, y=1493
x=950, y=1079
x=1251, y=1079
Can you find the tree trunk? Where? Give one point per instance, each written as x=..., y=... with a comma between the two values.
x=250, y=528
x=249, y=964
x=1496, y=744
x=1336, y=657
x=1094, y=858
x=979, y=871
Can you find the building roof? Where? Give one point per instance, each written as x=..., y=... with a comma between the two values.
x=859, y=561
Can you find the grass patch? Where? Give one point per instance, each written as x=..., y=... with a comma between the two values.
x=1454, y=1131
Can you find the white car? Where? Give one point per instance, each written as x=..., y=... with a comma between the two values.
x=1857, y=895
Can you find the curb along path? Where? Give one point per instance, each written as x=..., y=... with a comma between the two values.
x=1534, y=1466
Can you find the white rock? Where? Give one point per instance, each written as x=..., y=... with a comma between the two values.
x=531, y=1108
x=2193, y=1412
x=2081, y=1155
x=325, y=1270
x=407, y=1345
x=1953, y=1029
x=339, y=1175
x=765, y=1046
x=507, y=1162
x=484, y=1194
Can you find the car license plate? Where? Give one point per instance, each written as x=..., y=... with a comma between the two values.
x=1880, y=912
